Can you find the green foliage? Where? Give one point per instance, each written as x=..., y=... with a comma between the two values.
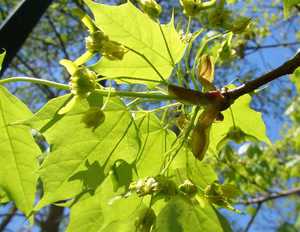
x=18, y=174
x=240, y=116
x=129, y=32
x=2, y=55
x=180, y=214
x=287, y=7
x=121, y=162
x=65, y=172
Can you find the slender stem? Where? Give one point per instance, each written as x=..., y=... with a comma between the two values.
x=36, y=81
x=184, y=140
x=149, y=95
x=232, y=117
x=127, y=78
x=84, y=58
x=189, y=48
x=189, y=25
x=161, y=108
x=107, y=98
x=104, y=92
x=180, y=75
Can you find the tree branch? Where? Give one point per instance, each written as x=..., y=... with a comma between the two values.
x=57, y=34
x=272, y=196
x=44, y=89
x=249, y=224
x=272, y=45
x=8, y=218
x=51, y=224
x=286, y=68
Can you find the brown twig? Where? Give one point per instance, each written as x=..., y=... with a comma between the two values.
x=287, y=68
x=51, y=224
x=272, y=196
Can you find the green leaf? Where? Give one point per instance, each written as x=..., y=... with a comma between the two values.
x=295, y=77
x=80, y=157
x=182, y=215
x=3, y=197
x=2, y=55
x=105, y=211
x=127, y=25
x=287, y=7
x=286, y=227
x=156, y=141
x=244, y=118
x=188, y=167
x=18, y=153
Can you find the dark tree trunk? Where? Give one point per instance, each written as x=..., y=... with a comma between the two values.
x=18, y=25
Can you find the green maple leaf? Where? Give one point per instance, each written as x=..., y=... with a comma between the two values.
x=245, y=118
x=18, y=153
x=77, y=151
x=104, y=211
x=180, y=214
x=130, y=27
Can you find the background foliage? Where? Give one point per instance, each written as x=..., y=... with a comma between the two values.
x=266, y=175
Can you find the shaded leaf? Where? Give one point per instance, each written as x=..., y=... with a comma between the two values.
x=287, y=7
x=2, y=55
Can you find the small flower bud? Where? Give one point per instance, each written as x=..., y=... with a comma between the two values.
x=191, y=7
x=151, y=7
x=83, y=81
x=94, y=42
x=188, y=188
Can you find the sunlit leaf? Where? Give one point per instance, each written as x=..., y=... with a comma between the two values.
x=18, y=153
x=156, y=141
x=182, y=215
x=81, y=156
x=245, y=118
x=295, y=77
x=129, y=26
x=105, y=211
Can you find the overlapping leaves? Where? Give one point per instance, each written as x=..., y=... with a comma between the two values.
x=109, y=211
x=81, y=157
